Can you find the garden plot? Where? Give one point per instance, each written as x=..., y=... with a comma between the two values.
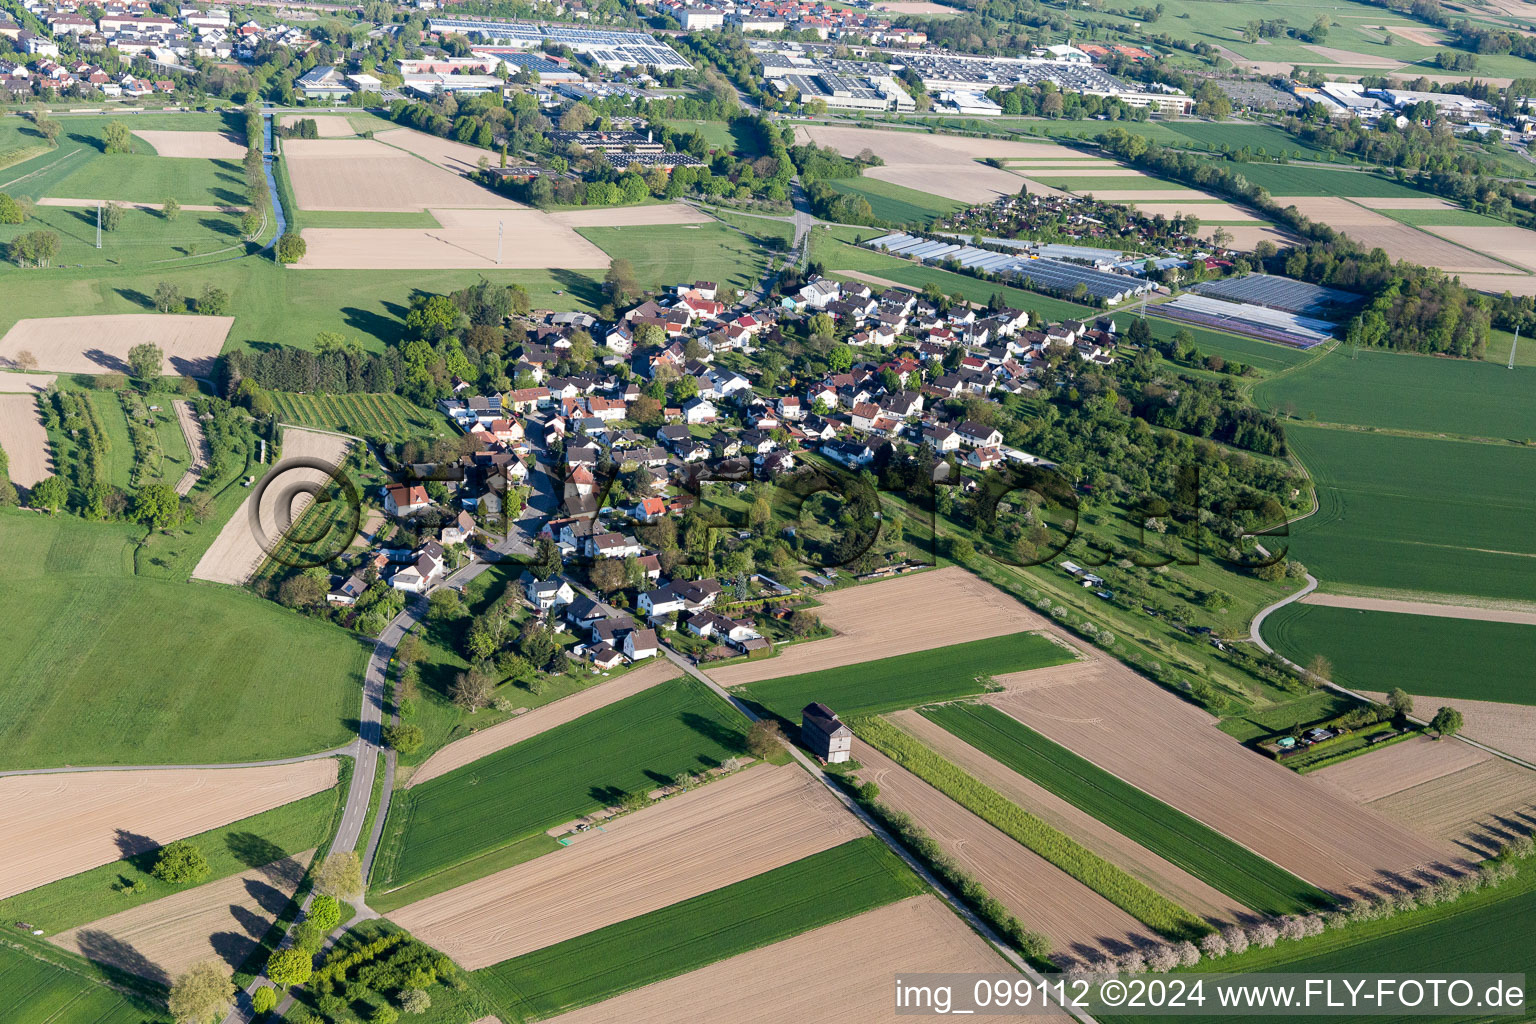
x=956, y=608
x=1479, y=808
x=201, y=145
x=1156, y=742
x=1080, y=923
x=364, y=175
x=1169, y=879
x=943, y=165
x=1510, y=244
x=1400, y=241
x=54, y=826
x=487, y=741
x=689, y=844
x=236, y=553
x=329, y=126
x=94, y=344
x=848, y=965
x=1507, y=727
x=223, y=920
x=467, y=239
x=24, y=440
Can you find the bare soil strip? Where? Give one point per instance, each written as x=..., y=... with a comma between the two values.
x=1498, y=284
x=687, y=845
x=222, y=920
x=1209, y=213
x=54, y=826
x=329, y=126
x=468, y=239
x=1479, y=808
x=24, y=439
x=1080, y=923
x=849, y=965
x=93, y=344
x=1510, y=244
x=25, y=383
x=447, y=154
x=1443, y=611
x=236, y=552
x=197, y=444
x=1400, y=241
x=1136, y=196
x=878, y=621
x=1351, y=58
x=1507, y=727
x=487, y=741
x=204, y=145
x=1140, y=732
x=1400, y=766
x=1245, y=237
x=1403, y=203
x=367, y=176
x=661, y=213
x=1169, y=879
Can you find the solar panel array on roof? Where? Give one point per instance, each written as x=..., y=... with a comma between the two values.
x=1049, y=273
x=1281, y=293
x=610, y=48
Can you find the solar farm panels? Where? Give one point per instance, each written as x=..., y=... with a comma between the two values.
x=1246, y=318
x=1281, y=293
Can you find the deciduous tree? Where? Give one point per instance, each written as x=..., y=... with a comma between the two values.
x=341, y=876
x=203, y=993
x=181, y=863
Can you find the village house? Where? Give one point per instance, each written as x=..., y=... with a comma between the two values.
x=824, y=735
x=423, y=572
x=544, y=595
x=401, y=500
x=678, y=596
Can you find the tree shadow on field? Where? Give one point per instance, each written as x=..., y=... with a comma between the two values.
x=132, y=846
x=607, y=796
x=228, y=197
x=113, y=957
x=234, y=947
x=574, y=282
x=386, y=329
x=95, y=142
x=252, y=850
x=136, y=297
x=219, y=226
x=268, y=897
x=715, y=732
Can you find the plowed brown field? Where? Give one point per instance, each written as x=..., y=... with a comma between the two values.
x=1169, y=879
x=24, y=439
x=880, y=620
x=1478, y=808
x=687, y=845
x=1400, y=766
x=365, y=175
x=1507, y=727
x=54, y=826
x=938, y=164
x=222, y=920
x=487, y=741
x=1133, y=728
x=92, y=344
x=850, y=966
x=1079, y=922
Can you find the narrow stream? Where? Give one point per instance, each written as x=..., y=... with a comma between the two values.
x=266, y=166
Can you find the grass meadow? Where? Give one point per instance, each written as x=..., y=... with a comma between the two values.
x=1299, y=180
x=1408, y=513
x=20, y=142
x=1409, y=392
x=386, y=416
x=634, y=745
x=1447, y=657
x=890, y=684
x=64, y=990
x=249, y=843
x=895, y=203
x=1202, y=851
x=666, y=254
x=111, y=668
x=143, y=237
x=829, y=886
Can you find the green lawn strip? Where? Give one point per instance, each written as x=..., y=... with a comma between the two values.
x=890, y=684
x=830, y=886
x=1057, y=177
x=366, y=219
x=1410, y=392
x=40, y=986
x=1315, y=707
x=1484, y=931
x=1409, y=513
x=144, y=178
x=110, y=668
x=230, y=849
x=173, y=554
x=1443, y=218
x=386, y=900
x=1455, y=658
x=1299, y=180
x=630, y=746
x=664, y=254
x=1205, y=853
x=1126, y=892
x=896, y=203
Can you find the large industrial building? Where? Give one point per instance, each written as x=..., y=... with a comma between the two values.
x=610, y=49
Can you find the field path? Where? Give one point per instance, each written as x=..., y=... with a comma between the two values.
x=1444, y=611
x=192, y=430
x=504, y=734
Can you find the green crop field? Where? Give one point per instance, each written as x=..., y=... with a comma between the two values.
x=1408, y=392
x=1131, y=179
x=1443, y=218
x=1202, y=851
x=251, y=842
x=111, y=668
x=889, y=684
x=389, y=417
x=895, y=203
x=1237, y=135
x=819, y=890
x=665, y=254
x=1297, y=180
x=554, y=777
x=1446, y=658
x=34, y=991
x=1406, y=513
x=1487, y=931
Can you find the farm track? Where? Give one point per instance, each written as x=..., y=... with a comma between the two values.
x=197, y=444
